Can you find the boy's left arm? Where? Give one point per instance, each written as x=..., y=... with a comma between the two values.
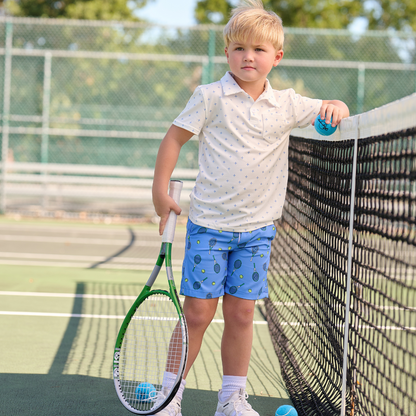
x=335, y=109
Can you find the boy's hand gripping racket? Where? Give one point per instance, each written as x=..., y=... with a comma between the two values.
x=153, y=337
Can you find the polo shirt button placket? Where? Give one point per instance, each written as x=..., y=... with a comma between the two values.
x=254, y=117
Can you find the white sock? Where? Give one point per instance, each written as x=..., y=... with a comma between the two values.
x=169, y=380
x=181, y=389
x=230, y=384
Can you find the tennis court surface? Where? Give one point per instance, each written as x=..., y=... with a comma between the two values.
x=64, y=289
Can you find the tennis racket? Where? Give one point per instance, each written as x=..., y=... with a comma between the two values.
x=153, y=337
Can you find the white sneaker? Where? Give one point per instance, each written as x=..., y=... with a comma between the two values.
x=236, y=405
x=172, y=409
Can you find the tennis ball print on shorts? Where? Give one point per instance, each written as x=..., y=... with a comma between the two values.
x=218, y=262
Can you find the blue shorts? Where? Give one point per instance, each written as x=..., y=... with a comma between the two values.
x=218, y=262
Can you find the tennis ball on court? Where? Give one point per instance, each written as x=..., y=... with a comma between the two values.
x=322, y=128
x=146, y=392
x=286, y=410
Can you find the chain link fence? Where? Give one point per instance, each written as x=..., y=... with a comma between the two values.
x=85, y=104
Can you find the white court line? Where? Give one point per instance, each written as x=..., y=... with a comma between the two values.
x=143, y=266
x=79, y=295
x=392, y=328
x=115, y=260
x=89, y=296
x=68, y=257
x=67, y=295
x=61, y=315
x=87, y=315
x=74, y=240
x=130, y=297
x=215, y=321
x=86, y=296
x=110, y=265
x=119, y=232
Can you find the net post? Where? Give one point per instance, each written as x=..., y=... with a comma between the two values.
x=349, y=271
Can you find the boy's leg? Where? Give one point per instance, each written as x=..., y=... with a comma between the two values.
x=236, y=351
x=237, y=338
x=199, y=314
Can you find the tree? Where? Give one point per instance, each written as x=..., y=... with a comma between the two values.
x=383, y=14
x=212, y=11
x=294, y=13
x=77, y=9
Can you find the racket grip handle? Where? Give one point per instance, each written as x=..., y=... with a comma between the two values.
x=175, y=188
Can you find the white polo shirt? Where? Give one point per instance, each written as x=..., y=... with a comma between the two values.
x=243, y=152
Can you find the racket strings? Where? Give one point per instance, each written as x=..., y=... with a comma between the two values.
x=152, y=344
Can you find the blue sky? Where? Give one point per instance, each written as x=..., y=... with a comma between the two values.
x=170, y=12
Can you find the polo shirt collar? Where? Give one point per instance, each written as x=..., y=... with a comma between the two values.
x=230, y=87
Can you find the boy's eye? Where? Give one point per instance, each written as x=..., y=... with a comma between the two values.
x=259, y=49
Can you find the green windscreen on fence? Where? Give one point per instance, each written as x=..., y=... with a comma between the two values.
x=78, y=86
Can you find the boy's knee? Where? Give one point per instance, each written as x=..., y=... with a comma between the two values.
x=240, y=313
x=199, y=312
x=240, y=319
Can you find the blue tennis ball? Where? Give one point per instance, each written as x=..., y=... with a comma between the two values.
x=322, y=128
x=146, y=392
x=286, y=410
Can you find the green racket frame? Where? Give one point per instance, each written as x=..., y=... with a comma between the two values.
x=165, y=256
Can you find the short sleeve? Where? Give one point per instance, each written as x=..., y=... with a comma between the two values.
x=306, y=109
x=193, y=116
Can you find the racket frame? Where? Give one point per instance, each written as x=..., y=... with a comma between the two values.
x=165, y=256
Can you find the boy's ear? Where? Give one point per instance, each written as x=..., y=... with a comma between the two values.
x=226, y=52
x=278, y=58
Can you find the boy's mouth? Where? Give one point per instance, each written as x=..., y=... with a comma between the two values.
x=248, y=67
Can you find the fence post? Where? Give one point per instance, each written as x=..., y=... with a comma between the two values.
x=6, y=112
x=46, y=106
x=211, y=54
x=47, y=72
x=360, y=88
x=208, y=66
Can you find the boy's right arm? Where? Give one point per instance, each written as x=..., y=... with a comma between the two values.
x=166, y=160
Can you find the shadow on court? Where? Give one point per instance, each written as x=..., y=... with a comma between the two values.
x=74, y=395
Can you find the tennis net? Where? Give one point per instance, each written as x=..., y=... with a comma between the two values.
x=312, y=282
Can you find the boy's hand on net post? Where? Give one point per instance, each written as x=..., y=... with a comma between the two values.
x=163, y=205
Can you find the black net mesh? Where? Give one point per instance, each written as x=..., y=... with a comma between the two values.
x=308, y=277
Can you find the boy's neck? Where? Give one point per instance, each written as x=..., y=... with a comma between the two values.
x=253, y=89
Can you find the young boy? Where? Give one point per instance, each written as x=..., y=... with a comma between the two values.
x=243, y=127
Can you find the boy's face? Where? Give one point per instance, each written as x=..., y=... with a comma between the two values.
x=251, y=62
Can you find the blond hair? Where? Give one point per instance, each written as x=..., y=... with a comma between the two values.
x=250, y=20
